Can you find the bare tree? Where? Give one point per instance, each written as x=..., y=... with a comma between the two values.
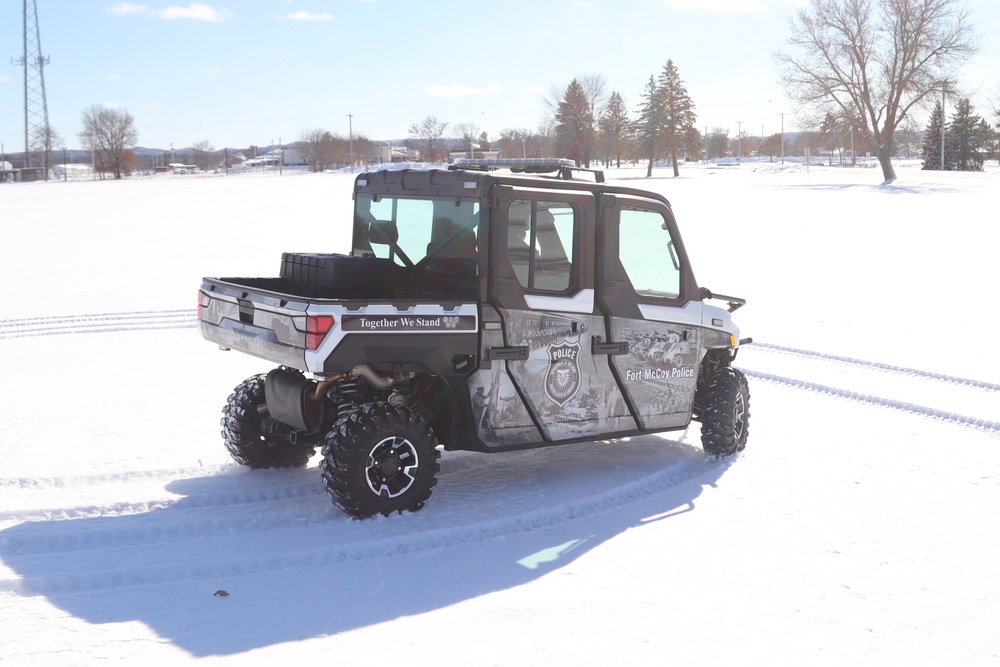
x=320, y=147
x=467, y=134
x=428, y=132
x=203, y=153
x=874, y=60
x=108, y=133
x=717, y=142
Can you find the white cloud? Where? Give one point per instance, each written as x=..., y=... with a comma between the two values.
x=196, y=11
x=112, y=77
x=6, y=79
x=307, y=16
x=123, y=8
x=729, y=6
x=535, y=89
x=459, y=90
x=110, y=105
x=215, y=71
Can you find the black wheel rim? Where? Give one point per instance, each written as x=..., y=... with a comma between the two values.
x=392, y=467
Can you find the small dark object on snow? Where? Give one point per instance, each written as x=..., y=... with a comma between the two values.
x=221, y=593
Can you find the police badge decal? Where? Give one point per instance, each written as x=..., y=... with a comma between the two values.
x=562, y=380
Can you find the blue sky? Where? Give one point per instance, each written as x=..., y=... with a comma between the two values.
x=243, y=72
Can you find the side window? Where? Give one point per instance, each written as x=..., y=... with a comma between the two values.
x=647, y=253
x=540, y=237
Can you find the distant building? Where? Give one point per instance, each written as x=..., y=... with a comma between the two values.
x=71, y=170
x=389, y=153
x=8, y=173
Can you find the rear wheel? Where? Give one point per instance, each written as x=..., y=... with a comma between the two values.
x=256, y=440
x=725, y=412
x=380, y=459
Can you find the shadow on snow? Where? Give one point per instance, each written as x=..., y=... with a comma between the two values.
x=295, y=567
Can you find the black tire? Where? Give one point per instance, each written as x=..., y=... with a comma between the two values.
x=255, y=440
x=725, y=416
x=380, y=459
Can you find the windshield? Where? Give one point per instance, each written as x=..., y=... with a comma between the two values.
x=436, y=234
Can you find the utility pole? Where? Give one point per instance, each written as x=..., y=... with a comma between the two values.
x=854, y=155
x=944, y=89
x=782, y=114
x=739, y=140
x=350, y=135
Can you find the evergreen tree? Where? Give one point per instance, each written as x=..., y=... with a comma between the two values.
x=932, y=140
x=677, y=114
x=574, y=124
x=647, y=127
x=967, y=137
x=614, y=126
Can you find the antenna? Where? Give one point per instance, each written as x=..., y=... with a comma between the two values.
x=36, y=107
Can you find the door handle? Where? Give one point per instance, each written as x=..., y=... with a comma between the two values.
x=515, y=353
x=599, y=348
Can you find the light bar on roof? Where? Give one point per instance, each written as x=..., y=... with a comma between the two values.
x=553, y=162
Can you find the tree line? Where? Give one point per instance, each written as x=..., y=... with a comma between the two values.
x=858, y=69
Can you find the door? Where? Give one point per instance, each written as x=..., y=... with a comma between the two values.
x=542, y=290
x=649, y=294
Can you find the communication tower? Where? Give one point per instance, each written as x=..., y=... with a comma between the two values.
x=36, y=107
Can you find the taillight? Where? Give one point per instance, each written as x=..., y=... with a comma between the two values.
x=317, y=326
x=201, y=298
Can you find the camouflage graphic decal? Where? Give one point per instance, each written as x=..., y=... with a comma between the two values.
x=660, y=371
x=570, y=391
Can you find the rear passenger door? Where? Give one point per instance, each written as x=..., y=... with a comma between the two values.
x=544, y=378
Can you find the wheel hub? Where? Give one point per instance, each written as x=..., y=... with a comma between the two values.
x=392, y=464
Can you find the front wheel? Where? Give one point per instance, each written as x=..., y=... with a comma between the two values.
x=380, y=459
x=256, y=440
x=725, y=413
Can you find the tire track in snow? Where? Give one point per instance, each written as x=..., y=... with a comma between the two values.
x=380, y=543
x=989, y=426
x=250, y=492
x=278, y=511
x=30, y=483
x=98, y=323
x=218, y=499
x=876, y=365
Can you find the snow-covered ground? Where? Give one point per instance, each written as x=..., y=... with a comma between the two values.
x=860, y=526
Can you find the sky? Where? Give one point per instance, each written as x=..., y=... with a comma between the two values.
x=256, y=72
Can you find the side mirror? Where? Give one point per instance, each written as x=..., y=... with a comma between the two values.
x=384, y=232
